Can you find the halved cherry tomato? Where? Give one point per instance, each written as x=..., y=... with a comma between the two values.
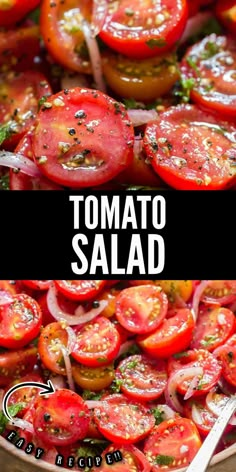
x=221, y=292
x=226, y=13
x=25, y=396
x=18, y=48
x=61, y=418
x=226, y=355
x=93, y=378
x=123, y=420
x=197, y=358
x=12, y=11
x=132, y=459
x=141, y=309
x=191, y=149
x=214, y=326
x=60, y=24
x=98, y=343
x=37, y=284
x=177, y=290
x=20, y=321
x=172, y=336
x=80, y=290
x=52, y=340
x=142, y=29
x=14, y=364
x=211, y=65
x=196, y=410
x=110, y=296
x=82, y=138
x=142, y=377
x=177, y=439
x=144, y=80
x=19, y=96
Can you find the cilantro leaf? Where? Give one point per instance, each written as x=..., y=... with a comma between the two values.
x=164, y=460
x=158, y=415
x=88, y=395
x=5, y=133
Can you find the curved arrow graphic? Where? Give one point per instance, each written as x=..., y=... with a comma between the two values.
x=47, y=389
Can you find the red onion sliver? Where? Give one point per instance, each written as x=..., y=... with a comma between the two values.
x=98, y=16
x=192, y=386
x=95, y=57
x=58, y=381
x=71, y=339
x=71, y=320
x=168, y=412
x=138, y=146
x=217, y=407
x=94, y=403
x=18, y=161
x=226, y=387
x=140, y=117
x=174, y=380
x=124, y=347
x=5, y=298
x=68, y=368
x=195, y=24
x=196, y=415
x=197, y=296
x=22, y=424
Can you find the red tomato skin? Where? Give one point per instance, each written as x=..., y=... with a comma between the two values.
x=132, y=459
x=14, y=364
x=22, y=310
x=16, y=12
x=12, y=42
x=180, y=328
x=25, y=395
x=37, y=284
x=141, y=309
x=226, y=13
x=208, y=418
x=124, y=41
x=80, y=290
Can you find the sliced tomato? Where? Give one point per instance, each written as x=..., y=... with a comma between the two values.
x=93, y=378
x=173, y=335
x=123, y=420
x=222, y=292
x=20, y=321
x=226, y=355
x=82, y=138
x=37, y=284
x=98, y=343
x=226, y=13
x=12, y=11
x=142, y=378
x=144, y=80
x=132, y=459
x=110, y=295
x=196, y=410
x=177, y=290
x=197, y=358
x=211, y=65
x=61, y=418
x=60, y=25
x=52, y=340
x=19, y=96
x=80, y=290
x=141, y=309
x=142, y=29
x=173, y=443
x=14, y=364
x=25, y=396
x=214, y=326
x=191, y=149
x=18, y=48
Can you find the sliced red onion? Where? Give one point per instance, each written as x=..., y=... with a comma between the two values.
x=50, y=455
x=168, y=412
x=174, y=380
x=5, y=298
x=217, y=407
x=58, y=381
x=22, y=424
x=196, y=415
x=68, y=368
x=71, y=320
x=138, y=145
x=98, y=16
x=124, y=347
x=71, y=339
x=226, y=387
x=192, y=386
x=195, y=24
x=94, y=403
x=95, y=57
x=18, y=161
x=197, y=297
x=140, y=117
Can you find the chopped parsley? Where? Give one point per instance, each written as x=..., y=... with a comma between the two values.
x=5, y=133
x=179, y=355
x=158, y=415
x=116, y=385
x=5, y=182
x=211, y=49
x=163, y=460
x=209, y=340
x=153, y=43
x=88, y=395
x=12, y=410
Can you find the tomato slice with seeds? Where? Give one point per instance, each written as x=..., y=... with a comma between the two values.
x=61, y=418
x=14, y=364
x=142, y=378
x=196, y=358
x=226, y=355
x=19, y=96
x=93, y=378
x=214, y=326
x=80, y=290
x=172, y=336
x=98, y=343
x=132, y=459
x=123, y=420
x=196, y=410
x=20, y=321
x=191, y=149
x=60, y=25
x=222, y=292
x=142, y=29
x=172, y=444
x=211, y=64
x=141, y=309
x=82, y=138
x=53, y=338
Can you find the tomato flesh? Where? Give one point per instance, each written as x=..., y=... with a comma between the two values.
x=80, y=290
x=132, y=459
x=52, y=340
x=12, y=11
x=214, y=326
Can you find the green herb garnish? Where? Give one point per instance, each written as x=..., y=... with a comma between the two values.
x=153, y=43
x=164, y=460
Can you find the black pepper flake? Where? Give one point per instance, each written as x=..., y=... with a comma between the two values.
x=95, y=304
x=47, y=417
x=66, y=91
x=80, y=114
x=53, y=4
x=72, y=131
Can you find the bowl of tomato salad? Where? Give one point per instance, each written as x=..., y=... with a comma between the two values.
x=112, y=95
x=115, y=375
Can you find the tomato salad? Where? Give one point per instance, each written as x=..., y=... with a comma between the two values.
x=108, y=94
x=139, y=367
